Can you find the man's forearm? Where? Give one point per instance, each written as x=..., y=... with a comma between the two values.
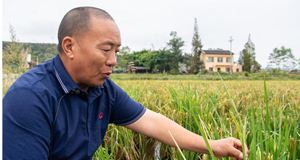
x=158, y=128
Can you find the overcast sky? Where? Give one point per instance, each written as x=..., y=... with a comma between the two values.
x=143, y=24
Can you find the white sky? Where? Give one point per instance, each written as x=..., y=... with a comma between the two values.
x=271, y=23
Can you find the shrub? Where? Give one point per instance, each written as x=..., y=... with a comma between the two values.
x=173, y=71
x=225, y=73
x=204, y=71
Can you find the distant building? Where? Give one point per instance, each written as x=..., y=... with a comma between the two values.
x=182, y=67
x=136, y=69
x=219, y=60
x=295, y=71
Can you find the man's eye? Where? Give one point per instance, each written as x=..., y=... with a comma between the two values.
x=106, y=50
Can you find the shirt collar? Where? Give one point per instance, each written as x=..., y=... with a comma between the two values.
x=65, y=80
x=63, y=77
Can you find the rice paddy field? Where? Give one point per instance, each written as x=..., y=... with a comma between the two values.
x=263, y=114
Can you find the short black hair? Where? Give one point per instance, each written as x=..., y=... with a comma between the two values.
x=77, y=21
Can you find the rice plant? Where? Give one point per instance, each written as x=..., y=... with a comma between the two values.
x=263, y=114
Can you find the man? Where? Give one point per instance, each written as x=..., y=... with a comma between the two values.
x=61, y=108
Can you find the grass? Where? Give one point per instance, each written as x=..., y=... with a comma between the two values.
x=215, y=77
x=263, y=114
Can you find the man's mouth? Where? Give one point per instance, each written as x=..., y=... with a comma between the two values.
x=106, y=75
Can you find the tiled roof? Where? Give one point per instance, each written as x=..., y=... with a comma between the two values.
x=142, y=68
x=217, y=52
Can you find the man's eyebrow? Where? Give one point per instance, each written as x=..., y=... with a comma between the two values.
x=110, y=43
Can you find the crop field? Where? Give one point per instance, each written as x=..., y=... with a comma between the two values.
x=264, y=115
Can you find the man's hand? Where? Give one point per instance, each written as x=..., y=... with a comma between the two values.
x=157, y=126
x=228, y=147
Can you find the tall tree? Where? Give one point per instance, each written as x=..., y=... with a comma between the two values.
x=12, y=54
x=247, y=57
x=282, y=58
x=196, y=50
x=175, y=45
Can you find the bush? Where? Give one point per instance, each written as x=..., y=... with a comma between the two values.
x=225, y=73
x=204, y=71
x=173, y=71
x=275, y=71
x=246, y=74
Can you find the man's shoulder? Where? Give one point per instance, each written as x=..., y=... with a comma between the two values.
x=113, y=89
x=36, y=79
x=111, y=85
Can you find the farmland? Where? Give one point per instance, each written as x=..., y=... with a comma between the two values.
x=267, y=119
x=265, y=115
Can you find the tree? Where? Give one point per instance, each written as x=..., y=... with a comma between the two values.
x=122, y=58
x=241, y=59
x=12, y=54
x=196, y=63
x=247, y=57
x=160, y=60
x=175, y=45
x=187, y=59
x=282, y=58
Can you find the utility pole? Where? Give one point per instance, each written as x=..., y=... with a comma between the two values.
x=230, y=55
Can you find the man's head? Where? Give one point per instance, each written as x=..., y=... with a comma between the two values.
x=77, y=22
x=89, y=40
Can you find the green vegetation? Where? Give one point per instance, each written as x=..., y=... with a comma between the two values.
x=283, y=58
x=247, y=57
x=45, y=51
x=270, y=75
x=14, y=54
x=265, y=115
x=196, y=63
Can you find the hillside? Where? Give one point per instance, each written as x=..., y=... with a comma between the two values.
x=45, y=50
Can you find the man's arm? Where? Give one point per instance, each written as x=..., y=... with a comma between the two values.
x=156, y=126
x=26, y=131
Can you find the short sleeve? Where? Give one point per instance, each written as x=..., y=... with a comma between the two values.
x=125, y=110
x=26, y=125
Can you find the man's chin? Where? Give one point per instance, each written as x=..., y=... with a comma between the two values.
x=99, y=83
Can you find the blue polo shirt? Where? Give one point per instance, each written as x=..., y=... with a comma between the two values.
x=30, y=106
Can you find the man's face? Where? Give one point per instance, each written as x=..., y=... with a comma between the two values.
x=95, y=53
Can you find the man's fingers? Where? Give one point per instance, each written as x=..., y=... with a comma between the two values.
x=230, y=147
x=238, y=145
x=241, y=156
x=238, y=152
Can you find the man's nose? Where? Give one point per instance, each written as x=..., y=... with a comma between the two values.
x=112, y=60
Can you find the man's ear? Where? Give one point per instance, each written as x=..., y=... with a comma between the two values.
x=68, y=46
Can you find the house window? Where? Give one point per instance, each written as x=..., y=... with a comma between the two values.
x=228, y=60
x=220, y=59
x=227, y=69
x=210, y=59
x=210, y=69
x=219, y=69
x=237, y=70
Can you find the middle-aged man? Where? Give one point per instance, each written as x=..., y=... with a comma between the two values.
x=61, y=108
